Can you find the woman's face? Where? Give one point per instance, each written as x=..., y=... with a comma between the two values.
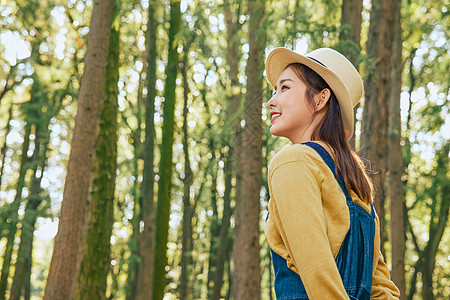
x=291, y=114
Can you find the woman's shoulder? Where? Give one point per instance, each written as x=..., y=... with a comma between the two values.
x=294, y=153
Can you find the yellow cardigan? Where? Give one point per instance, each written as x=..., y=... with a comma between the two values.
x=306, y=198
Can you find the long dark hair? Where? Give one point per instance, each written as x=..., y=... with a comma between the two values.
x=331, y=130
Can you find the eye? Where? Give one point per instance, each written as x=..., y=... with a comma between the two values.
x=283, y=87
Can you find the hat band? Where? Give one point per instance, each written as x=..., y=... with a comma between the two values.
x=316, y=61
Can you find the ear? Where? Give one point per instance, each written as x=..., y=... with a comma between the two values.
x=321, y=99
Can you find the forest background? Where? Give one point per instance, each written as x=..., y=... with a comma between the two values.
x=159, y=183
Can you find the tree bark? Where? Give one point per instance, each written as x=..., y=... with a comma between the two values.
x=147, y=236
x=395, y=155
x=375, y=116
x=350, y=38
x=188, y=210
x=351, y=18
x=164, y=184
x=246, y=244
x=97, y=246
x=65, y=263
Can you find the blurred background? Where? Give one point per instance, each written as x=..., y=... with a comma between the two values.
x=159, y=185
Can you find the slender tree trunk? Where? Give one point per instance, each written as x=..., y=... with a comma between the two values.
x=147, y=236
x=188, y=211
x=134, y=245
x=39, y=160
x=222, y=251
x=438, y=224
x=350, y=37
x=246, y=244
x=97, y=246
x=134, y=279
x=351, y=18
x=27, y=283
x=395, y=157
x=236, y=147
x=214, y=228
x=375, y=116
x=4, y=147
x=67, y=253
x=164, y=184
x=13, y=213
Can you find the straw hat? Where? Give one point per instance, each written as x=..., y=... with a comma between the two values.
x=333, y=67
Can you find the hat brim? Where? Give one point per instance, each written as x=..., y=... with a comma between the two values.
x=279, y=58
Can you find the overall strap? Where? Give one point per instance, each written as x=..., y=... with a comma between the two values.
x=330, y=163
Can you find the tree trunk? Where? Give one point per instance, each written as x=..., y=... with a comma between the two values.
x=39, y=159
x=351, y=32
x=350, y=38
x=438, y=224
x=232, y=163
x=214, y=228
x=165, y=170
x=12, y=213
x=4, y=147
x=375, y=116
x=67, y=253
x=236, y=109
x=246, y=244
x=188, y=211
x=222, y=251
x=147, y=236
x=134, y=268
x=134, y=279
x=97, y=245
x=395, y=156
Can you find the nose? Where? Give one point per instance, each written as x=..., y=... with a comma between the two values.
x=271, y=103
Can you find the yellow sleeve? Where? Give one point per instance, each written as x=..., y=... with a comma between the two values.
x=382, y=286
x=296, y=189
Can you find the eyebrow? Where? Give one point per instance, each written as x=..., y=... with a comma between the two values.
x=282, y=81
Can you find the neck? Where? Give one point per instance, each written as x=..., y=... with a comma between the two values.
x=306, y=135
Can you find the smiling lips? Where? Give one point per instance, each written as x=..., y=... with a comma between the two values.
x=274, y=115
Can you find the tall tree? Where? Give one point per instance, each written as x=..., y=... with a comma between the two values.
x=21, y=277
x=96, y=253
x=165, y=180
x=66, y=259
x=188, y=209
x=147, y=236
x=12, y=215
x=375, y=115
x=247, y=210
x=395, y=155
x=350, y=37
x=41, y=108
x=234, y=141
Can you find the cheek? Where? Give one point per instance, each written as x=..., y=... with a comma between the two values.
x=299, y=113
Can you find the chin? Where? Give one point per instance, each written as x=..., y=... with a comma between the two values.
x=275, y=132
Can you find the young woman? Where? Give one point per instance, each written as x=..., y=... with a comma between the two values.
x=321, y=228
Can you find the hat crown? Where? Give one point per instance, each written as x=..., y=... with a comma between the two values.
x=343, y=68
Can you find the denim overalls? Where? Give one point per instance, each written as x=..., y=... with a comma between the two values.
x=355, y=257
